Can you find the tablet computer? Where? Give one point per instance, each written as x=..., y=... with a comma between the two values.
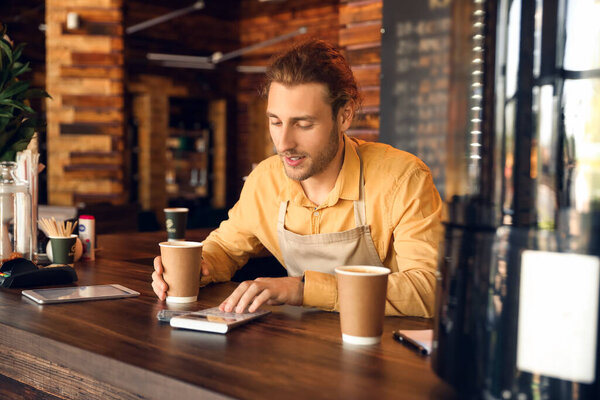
x=78, y=293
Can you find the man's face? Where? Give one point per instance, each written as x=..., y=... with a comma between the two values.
x=305, y=135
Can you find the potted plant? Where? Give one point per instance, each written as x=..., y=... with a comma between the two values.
x=18, y=121
x=18, y=124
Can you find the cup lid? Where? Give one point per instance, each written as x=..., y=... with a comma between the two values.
x=63, y=237
x=362, y=270
x=180, y=244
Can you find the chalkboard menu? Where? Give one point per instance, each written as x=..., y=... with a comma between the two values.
x=415, y=46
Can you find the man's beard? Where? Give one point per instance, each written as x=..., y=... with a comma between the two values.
x=320, y=161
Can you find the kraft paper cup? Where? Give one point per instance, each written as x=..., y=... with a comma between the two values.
x=361, y=292
x=63, y=249
x=181, y=262
x=175, y=221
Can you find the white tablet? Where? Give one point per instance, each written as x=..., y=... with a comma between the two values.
x=79, y=293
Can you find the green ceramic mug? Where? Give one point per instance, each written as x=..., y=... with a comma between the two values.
x=63, y=249
x=176, y=221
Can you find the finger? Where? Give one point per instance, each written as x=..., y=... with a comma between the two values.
x=259, y=300
x=235, y=296
x=158, y=279
x=158, y=267
x=159, y=291
x=204, y=268
x=161, y=295
x=222, y=305
x=250, y=295
x=272, y=302
x=159, y=285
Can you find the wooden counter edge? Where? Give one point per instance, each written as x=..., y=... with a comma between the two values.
x=66, y=371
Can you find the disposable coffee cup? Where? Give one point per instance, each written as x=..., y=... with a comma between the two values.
x=181, y=263
x=175, y=221
x=361, y=293
x=63, y=249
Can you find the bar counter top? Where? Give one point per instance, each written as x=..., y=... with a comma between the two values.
x=116, y=349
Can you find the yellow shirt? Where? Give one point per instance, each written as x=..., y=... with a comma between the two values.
x=403, y=211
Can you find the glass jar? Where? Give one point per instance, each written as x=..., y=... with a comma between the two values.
x=15, y=215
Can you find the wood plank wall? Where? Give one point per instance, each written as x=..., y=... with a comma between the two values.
x=217, y=115
x=360, y=37
x=150, y=108
x=85, y=78
x=85, y=134
x=353, y=25
x=263, y=21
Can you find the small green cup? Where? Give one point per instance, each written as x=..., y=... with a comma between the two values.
x=63, y=249
x=175, y=221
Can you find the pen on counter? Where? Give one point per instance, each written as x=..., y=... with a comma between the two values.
x=410, y=343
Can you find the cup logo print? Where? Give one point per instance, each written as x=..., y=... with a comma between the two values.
x=72, y=251
x=170, y=225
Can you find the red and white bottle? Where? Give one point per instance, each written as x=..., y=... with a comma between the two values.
x=87, y=235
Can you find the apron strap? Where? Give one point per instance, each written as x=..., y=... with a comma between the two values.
x=360, y=209
x=282, y=210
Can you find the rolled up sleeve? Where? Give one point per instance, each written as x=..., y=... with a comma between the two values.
x=416, y=218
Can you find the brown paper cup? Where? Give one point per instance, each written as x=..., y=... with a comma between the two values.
x=181, y=263
x=361, y=293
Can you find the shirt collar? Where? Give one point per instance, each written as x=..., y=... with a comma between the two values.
x=346, y=185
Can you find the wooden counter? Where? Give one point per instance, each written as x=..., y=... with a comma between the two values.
x=116, y=349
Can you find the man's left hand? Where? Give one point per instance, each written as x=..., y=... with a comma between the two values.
x=273, y=291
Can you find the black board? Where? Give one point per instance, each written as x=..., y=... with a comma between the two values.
x=415, y=62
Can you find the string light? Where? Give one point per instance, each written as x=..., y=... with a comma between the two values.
x=476, y=105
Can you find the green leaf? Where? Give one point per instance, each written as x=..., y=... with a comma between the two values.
x=6, y=137
x=16, y=140
x=20, y=105
x=22, y=143
x=29, y=122
x=9, y=155
x=14, y=89
x=18, y=121
x=20, y=139
x=19, y=69
x=4, y=122
x=36, y=93
x=4, y=74
x=22, y=97
x=17, y=51
x=6, y=49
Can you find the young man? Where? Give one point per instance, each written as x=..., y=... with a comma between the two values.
x=325, y=200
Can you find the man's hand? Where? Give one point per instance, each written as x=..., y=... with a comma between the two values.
x=158, y=283
x=273, y=291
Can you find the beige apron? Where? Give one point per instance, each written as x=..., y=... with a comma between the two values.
x=324, y=252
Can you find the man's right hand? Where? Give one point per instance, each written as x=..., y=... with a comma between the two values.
x=158, y=283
